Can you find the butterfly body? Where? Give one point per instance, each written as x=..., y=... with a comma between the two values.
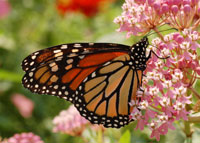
x=100, y=79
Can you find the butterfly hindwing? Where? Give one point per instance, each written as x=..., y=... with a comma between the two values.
x=104, y=96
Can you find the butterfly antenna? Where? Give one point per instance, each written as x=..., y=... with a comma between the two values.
x=162, y=31
x=158, y=27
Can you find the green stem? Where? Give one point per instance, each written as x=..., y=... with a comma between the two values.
x=157, y=31
x=188, y=140
x=195, y=119
x=100, y=138
x=188, y=131
x=156, y=108
x=195, y=92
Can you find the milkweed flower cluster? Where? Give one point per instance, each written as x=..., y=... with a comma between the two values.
x=168, y=84
x=24, y=138
x=70, y=122
x=171, y=81
x=140, y=16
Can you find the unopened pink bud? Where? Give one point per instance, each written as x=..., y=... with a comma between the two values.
x=151, y=2
x=140, y=1
x=187, y=8
x=156, y=6
x=177, y=2
x=175, y=35
x=174, y=9
x=193, y=64
x=169, y=2
x=198, y=11
x=198, y=70
x=168, y=76
x=179, y=39
x=186, y=2
x=165, y=8
x=194, y=2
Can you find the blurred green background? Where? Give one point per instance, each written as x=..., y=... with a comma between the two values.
x=31, y=25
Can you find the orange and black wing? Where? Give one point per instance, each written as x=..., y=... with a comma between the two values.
x=97, y=78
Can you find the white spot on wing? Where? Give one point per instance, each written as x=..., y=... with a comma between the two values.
x=106, y=64
x=64, y=47
x=81, y=57
x=30, y=74
x=36, y=53
x=31, y=63
x=33, y=57
x=69, y=61
x=66, y=92
x=58, y=54
x=93, y=74
x=85, y=79
x=63, y=87
x=52, y=64
x=91, y=44
x=33, y=69
x=55, y=87
x=54, y=69
x=75, y=50
x=72, y=55
x=130, y=63
x=64, y=97
x=77, y=45
x=59, y=58
x=56, y=51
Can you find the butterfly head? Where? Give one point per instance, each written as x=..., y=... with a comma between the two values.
x=138, y=53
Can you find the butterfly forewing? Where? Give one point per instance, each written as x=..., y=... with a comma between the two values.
x=59, y=70
x=100, y=79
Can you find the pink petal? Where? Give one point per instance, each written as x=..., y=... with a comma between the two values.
x=23, y=104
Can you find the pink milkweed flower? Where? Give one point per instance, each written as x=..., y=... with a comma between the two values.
x=140, y=17
x=24, y=105
x=4, y=8
x=183, y=14
x=136, y=114
x=70, y=122
x=24, y=138
x=168, y=83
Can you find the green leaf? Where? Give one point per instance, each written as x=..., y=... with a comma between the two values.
x=175, y=136
x=126, y=137
x=9, y=76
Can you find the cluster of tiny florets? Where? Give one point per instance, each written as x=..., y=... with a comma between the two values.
x=168, y=84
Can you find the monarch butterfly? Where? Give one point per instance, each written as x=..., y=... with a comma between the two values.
x=100, y=79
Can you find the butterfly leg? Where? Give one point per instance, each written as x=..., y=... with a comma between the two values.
x=149, y=56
